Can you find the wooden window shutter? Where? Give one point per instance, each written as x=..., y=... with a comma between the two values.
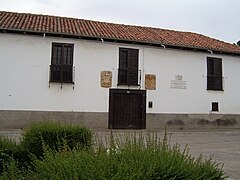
x=218, y=74
x=61, y=68
x=128, y=66
x=133, y=67
x=210, y=73
x=214, y=73
x=122, y=71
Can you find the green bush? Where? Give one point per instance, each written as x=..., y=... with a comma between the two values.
x=13, y=171
x=54, y=135
x=37, y=136
x=135, y=157
x=10, y=150
x=7, y=148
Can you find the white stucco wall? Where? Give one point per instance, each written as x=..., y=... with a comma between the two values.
x=193, y=68
x=24, y=77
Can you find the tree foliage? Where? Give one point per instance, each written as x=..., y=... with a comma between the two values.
x=238, y=43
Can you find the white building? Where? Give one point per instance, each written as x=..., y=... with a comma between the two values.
x=107, y=75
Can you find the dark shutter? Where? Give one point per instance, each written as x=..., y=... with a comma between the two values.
x=55, y=75
x=61, y=69
x=128, y=66
x=56, y=54
x=133, y=67
x=218, y=74
x=214, y=73
x=123, y=71
x=210, y=74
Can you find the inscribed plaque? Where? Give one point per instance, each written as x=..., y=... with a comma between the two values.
x=150, y=81
x=106, y=79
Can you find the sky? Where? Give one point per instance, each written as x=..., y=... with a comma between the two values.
x=214, y=18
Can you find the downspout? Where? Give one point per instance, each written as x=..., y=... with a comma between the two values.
x=164, y=47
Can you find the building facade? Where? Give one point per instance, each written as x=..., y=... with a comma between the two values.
x=114, y=83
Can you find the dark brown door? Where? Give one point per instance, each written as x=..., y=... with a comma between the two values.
x=127, y=109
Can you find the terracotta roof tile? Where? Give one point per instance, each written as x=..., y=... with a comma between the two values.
x=79, y=27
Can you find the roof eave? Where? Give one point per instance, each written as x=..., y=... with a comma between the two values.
x=117, y=40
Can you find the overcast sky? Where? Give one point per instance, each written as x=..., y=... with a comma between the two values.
x=215, y=18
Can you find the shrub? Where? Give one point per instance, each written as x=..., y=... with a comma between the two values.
x=54, y=135
x=7, y=148
x=134, y=157
x=13, y=171
x=49, y=134
x=10, y=150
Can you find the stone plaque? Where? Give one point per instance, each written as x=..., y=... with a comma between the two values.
x=106, y=79
x=178, y=84
x=150, y=81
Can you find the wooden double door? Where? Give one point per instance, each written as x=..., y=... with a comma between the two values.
x=127, y=109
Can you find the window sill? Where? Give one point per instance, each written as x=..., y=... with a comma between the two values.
x=215, y=90
x=126, y=84
x=214, y=112
x=63, y=82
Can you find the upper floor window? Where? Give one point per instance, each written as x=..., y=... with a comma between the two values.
x=214, y=73
x=128, y=66
x=61, y=68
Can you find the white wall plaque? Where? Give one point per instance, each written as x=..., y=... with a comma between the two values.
x=178, y=84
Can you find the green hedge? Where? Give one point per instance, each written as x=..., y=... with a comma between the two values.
x=127, y=158
x=54, y=135
x=10, y=150
x=7, y=149
x=46, y=134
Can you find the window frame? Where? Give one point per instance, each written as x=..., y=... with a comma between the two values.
x=61, y=70
x=214, y=74
x=128, y=75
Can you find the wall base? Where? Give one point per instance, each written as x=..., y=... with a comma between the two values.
x=11, y=119
x=192, y=121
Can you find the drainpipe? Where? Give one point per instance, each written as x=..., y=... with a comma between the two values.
x=102, y=40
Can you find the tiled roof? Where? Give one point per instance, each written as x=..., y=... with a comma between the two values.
x=78, y=27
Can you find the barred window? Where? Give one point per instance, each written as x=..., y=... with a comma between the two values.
x=61, y=68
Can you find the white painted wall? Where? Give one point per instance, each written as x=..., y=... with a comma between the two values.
x=24, y=77
x=192, y=66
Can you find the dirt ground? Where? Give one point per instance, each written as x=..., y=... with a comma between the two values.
x=223, y=144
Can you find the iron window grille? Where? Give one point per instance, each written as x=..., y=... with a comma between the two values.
x=62, y=74
x=61, y=68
